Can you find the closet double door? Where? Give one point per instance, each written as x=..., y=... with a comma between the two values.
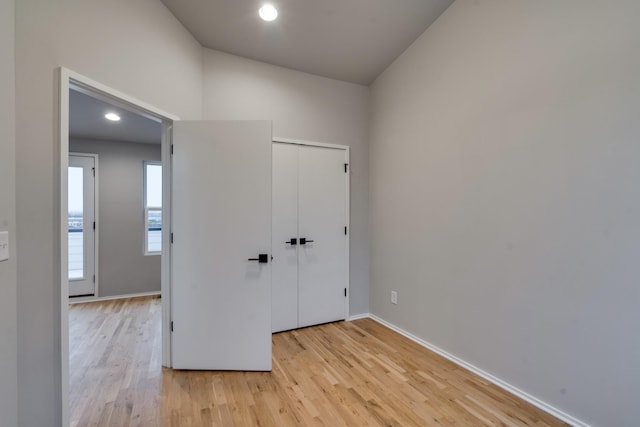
x=309, y=281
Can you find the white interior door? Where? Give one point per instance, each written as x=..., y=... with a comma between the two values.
x=221, y=218
x=322, y=260
x=284, y=289
x=81, y=220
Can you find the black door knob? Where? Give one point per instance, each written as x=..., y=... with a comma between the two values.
x=304, y=241
x=262, y=258
x=292, y=242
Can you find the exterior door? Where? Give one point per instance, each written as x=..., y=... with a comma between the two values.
x=221, y=229
x=81, y=220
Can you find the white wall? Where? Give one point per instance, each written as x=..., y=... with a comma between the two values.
x=505, y=200
x=8, y=316
x=136, y=47
x=302, y=106
x=123, y=267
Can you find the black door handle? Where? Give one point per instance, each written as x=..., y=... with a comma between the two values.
x=304, y=241
x=262, y=258
x=292, y=242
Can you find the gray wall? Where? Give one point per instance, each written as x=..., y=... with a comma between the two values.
x=302, y=106
x=136, y=47
x=8, y=316
x=505, y=201
x=123, y=267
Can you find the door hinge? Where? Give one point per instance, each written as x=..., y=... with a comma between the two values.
x=172, y=326
x=94, y=171
x=345, y=230
x=172, y=149
x=346, y=165
x=94, y=278
x=94, y=226
x=345, y=292
x=171, y=237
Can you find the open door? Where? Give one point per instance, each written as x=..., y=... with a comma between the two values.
x=221, y=232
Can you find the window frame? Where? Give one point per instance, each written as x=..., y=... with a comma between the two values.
x=148, y=209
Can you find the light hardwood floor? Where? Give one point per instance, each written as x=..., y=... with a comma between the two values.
x=343, y=374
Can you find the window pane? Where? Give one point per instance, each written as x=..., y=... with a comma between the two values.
x=154, y=237
x=76, y=223
x=154, y=185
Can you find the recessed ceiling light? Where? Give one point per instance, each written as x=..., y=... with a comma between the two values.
x=112, y=116
x=268, y=12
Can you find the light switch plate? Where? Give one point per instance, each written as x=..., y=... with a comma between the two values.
x=4, y=245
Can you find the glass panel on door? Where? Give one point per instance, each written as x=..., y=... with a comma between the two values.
x=76, y=223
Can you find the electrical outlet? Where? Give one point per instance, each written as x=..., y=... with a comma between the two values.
x=394, y=297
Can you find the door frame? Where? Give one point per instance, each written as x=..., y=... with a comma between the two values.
x=346, y=148
x=67, y=79
x=96, y=217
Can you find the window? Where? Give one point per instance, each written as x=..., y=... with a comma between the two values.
x=152, y=208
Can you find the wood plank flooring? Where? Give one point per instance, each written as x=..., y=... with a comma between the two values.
x=342, y=374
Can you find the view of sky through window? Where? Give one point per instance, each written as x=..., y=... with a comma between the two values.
x=154, y=186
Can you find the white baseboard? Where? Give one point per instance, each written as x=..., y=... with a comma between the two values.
x=359, y=316
x=95, y=299
x=487, y=376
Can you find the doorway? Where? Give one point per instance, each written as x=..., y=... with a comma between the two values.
x=126, y=175
x=71, y=80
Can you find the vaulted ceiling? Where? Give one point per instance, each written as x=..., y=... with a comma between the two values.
x=350, y=40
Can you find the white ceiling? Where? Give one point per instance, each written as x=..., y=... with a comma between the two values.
x=350, y=40
x=86, y=120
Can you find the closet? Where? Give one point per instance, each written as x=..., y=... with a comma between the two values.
x=309, y=235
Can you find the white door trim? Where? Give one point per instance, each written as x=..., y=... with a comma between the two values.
x=96, y=217
x=346, y=148
x=68, y=78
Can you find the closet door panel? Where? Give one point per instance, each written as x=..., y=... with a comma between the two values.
x=321, y=217
x=284, y=288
